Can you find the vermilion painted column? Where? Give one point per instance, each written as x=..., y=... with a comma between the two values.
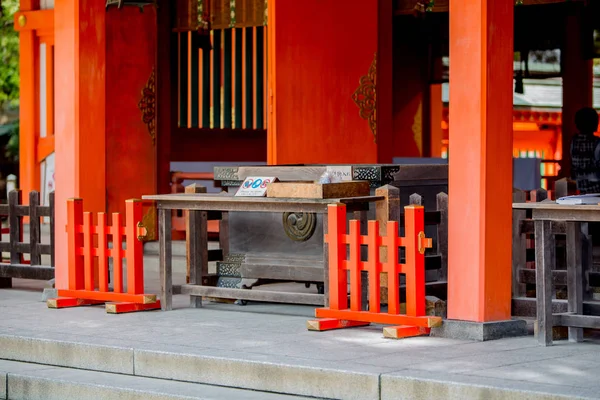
x=481, y=71
x=79, y=114
x=320, y=82
x=29, y=174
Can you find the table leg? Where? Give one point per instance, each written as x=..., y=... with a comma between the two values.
x=166, y=271
x=198, y=251
x=544, y=264
x=575, y=276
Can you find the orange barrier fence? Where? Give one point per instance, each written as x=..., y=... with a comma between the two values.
x=88, y=260
x=414, y=322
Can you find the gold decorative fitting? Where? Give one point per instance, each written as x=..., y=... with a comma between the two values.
x=365, y=97
x=148, y=106
x=424, y=243
x=22, y=20
x=141, y=231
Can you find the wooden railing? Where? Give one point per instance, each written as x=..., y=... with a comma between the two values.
x=16, y=266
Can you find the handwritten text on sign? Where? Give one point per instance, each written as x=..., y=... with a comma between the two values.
x=340, y=173
x=255, y=186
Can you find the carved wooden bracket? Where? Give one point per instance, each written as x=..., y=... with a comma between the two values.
x=365, y=97
x=148, y=106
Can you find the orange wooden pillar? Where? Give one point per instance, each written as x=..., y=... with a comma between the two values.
x=480, y=178
x=29, y=177
x=79, y=114
x=322, y=77
x=577, y=81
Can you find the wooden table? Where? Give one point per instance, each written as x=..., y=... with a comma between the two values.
x=544, y=215
x=198, y=205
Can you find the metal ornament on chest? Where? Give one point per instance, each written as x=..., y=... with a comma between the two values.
x=299, y=226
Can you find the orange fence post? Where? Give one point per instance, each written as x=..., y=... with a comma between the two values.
x=88, y=260
x=117, y=252
x=75, y=216
x=135, y=251
x=338, y=299
x=374, y=267
x=102, y=253
x=414, y=266
x=392, y=242
x=414, y=322
x=354, y=266
x=82, y=257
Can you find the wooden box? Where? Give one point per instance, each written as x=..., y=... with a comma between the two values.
x=310, y=190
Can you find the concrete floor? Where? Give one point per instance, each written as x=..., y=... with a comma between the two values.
x=267, y=347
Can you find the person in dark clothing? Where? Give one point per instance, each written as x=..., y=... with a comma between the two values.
x=585, y=152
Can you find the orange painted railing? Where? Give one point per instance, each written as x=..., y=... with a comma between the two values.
x=339, y=315
x=89, y=251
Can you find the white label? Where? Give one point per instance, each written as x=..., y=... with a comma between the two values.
x=340, y=173
x=255, y=186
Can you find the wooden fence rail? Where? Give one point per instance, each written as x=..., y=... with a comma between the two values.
x=345, y=259
x=16, y=266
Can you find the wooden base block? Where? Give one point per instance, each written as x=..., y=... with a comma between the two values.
x=404, y=331
x=66, y=302
x=120, y=308
x=327, y=324
x=5, y=283
x=379, y=318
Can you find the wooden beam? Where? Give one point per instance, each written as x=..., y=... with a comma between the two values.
x=198, y=144
x=34, y=20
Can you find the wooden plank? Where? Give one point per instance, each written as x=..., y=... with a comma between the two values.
x=575, y=276
x=545, y=247
x=527, y=227
x=67, y=302
x=559, y=277
x=224, y=234
x=26, y=271
x=166, y=270
x=34, y=228
x=197, y=240
x=382, y=318
x=306, y=273
x=253, y=295
x=256, y=205
x=385, y=211
x=526, y=307
x=577, y=321
x=519, y=245
x=305, y=190
x=110, y=296
x=14, y=198
x=51, y=210
x=425, y=172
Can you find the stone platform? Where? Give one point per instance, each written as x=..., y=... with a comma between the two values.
x=264, y=351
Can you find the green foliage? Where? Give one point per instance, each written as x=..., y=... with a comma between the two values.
x=9, y=53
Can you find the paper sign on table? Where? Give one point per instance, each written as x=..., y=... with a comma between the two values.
x=255, y=186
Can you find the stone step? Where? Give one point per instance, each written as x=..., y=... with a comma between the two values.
x=35, y=381
x=70, y=368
